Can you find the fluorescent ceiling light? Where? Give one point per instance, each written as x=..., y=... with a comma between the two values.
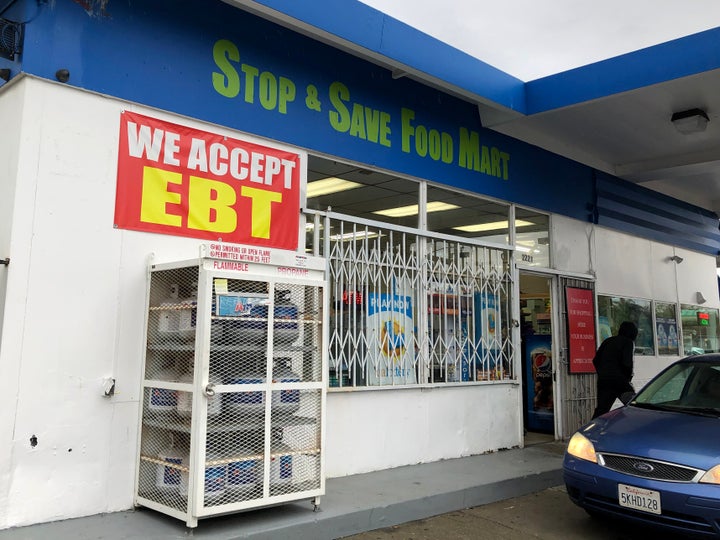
x=329, y=185
x=493, y=226
x=359, y=235
x=412, y=209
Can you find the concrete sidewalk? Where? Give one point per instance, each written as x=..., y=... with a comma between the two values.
x=350, y=505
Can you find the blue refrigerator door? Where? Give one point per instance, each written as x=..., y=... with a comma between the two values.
x=538, y=374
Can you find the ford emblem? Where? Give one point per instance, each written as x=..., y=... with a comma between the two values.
x=643, y=467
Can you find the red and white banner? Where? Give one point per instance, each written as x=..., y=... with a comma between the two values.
x=581, y=329
x=181, y=181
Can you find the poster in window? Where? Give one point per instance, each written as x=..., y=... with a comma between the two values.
x=489, y=336
x=487, y=304
x=581, y=329
x=666, y=331
x=390, y=339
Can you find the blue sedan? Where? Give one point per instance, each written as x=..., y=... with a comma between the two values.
x=655, y=461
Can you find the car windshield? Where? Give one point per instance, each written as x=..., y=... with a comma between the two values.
x=689, y=386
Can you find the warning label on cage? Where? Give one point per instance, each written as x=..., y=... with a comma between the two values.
x=239, y=253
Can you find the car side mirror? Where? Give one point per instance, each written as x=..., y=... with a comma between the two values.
x=626, y=397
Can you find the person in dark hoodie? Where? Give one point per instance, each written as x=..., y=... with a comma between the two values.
x=614, y=366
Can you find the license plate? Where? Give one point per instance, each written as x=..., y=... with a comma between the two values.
x=645, y=500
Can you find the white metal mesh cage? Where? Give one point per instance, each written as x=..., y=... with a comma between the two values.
x=233, y=392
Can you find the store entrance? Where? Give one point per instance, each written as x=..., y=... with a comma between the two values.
x=536, y=332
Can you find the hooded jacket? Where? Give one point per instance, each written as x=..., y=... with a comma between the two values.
x=614, y=358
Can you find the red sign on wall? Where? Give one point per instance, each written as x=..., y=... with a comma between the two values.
x=181, y=181
x=581, y=329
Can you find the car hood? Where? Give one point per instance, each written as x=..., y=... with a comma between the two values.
x=675, y=437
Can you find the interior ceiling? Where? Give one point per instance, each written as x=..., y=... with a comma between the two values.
x=381, y=191
x=630, y=135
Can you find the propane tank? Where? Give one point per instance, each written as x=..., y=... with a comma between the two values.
x=285, y=401
x=179, y=318
x=187, y=315
x=162, y=400
x=252, y=402
x=168, y=323
x=285, y=328
x=244, y=469
x=184, y=399
x=234, y=310
x=281, y=465
x=168, y=476
x=215, y=476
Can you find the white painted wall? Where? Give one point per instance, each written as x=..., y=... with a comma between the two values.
x=571, y=245
x=378, y=429
x=625, y=265
x=12, y=98
x=62, y=315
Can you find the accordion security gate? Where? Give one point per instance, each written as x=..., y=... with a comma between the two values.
x=234, y=385
x=411, y=308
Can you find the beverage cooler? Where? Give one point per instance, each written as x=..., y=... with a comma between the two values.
x=234, y=383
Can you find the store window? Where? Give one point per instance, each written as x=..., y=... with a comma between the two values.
x=700, y=330
x=420, y=293
x=355, y=191
x=407, y=308
x=532, y=238
x=613, y=310
x=489, y=221
x=666, y=329
x=466, y=216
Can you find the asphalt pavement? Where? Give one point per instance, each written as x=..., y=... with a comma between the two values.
x=544, y=515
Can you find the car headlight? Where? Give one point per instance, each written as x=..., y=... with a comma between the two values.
x=712, y=476
x=581, y=447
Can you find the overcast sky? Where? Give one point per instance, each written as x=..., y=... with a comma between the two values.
x=531, y=38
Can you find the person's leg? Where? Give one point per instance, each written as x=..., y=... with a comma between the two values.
x=606, y=394
x=625, y=392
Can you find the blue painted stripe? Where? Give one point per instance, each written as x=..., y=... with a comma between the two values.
x=652, y=201
x=640, y=230
x=649, y=214
x=682, y=57
x=658, y=224
x=377, y=32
